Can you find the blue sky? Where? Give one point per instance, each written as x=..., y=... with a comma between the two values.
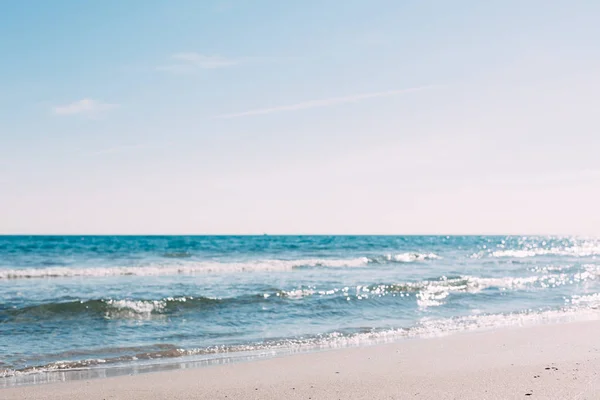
x=300, y=117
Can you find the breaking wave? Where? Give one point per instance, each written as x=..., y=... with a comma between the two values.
x=586, y=250
x=427, y=293
x=203, y=267
x=575, y=310
x=114, y=308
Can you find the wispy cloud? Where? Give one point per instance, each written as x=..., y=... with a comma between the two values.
x=188, y=62
x=191, y=62
x=88, y=107
x=332, y=101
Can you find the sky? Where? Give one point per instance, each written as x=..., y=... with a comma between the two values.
x=300, y=117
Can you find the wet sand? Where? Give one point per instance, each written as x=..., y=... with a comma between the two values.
x=560, y=361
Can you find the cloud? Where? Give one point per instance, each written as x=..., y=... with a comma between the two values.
x=332, y=101
x=87, y=107
x=188, y=62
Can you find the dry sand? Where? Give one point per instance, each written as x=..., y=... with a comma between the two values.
x=542, y=362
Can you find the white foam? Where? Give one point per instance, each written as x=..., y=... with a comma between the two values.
x=440, y=327
x=433, y=293
x=411, y=257
x=582, y=308
x=138, y=309
x=590, y=300
x=436, y=327
x=141, y=307
x=331, y=263
x=200, y=267
x=585, y=250
x=546, y=281
x=183, y=268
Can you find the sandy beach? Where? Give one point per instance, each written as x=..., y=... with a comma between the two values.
x=560, y=361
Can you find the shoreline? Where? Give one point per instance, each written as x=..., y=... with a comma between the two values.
x=560, y=360
x=101, y=369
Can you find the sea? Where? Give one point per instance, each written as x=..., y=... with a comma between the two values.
x=78, y=307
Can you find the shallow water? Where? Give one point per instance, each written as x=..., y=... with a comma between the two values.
x=85, y=303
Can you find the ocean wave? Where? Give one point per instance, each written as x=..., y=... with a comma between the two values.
x=134, y=308
x=150, y=308
x=426, y=293
x=589, y=300
x=425, y=328
x=203, y=267
x=184, y=268
x=431, y=327
x=404, y=258
x=573, y=251
x=434, y=292
x=113, y=308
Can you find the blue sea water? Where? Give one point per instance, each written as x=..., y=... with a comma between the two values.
x=90, y=303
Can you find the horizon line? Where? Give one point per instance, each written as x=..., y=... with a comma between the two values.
x=291, y=234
